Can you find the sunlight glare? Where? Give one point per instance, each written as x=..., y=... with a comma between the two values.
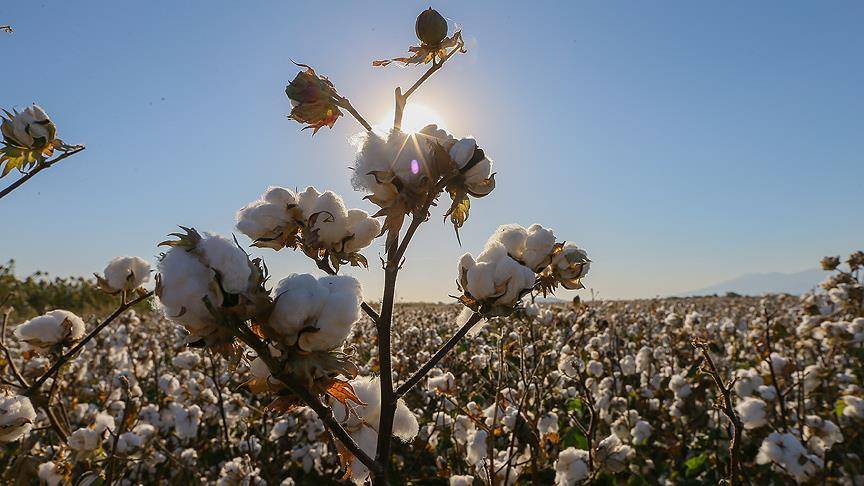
x=414, y=118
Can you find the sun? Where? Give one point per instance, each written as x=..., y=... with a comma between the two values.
x=414, y=118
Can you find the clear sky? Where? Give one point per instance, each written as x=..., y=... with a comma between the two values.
x=681, y=143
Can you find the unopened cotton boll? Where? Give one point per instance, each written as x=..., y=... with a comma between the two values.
x=16, y=417
x=127, y=273
x=571, y=467
x=316, y=314
x=56, y=327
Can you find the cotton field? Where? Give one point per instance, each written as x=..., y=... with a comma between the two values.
x=587, y=392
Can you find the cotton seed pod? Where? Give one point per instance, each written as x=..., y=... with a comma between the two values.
x=431, y=27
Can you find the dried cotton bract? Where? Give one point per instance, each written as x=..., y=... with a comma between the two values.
x=51, y=330
x=124, y=274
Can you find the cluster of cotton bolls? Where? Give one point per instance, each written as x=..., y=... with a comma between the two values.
x=322, y=220
x=508, y=268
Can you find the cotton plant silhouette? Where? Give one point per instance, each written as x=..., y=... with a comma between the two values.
x=297, y=333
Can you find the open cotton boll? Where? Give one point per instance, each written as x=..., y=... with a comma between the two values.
x=571, y=467
x=42, y=333
x=516, y=277
x=462, y=151
x=16, y=417
x=513, y=237
x=538, y=247
x=50, y=472
x=267, y=216
x=331, y=221
x=127, y=273
x=364, y=228
x=185, y=282
x=317, y=315
x=461, y=480
x=84, y=440
x=229, y=260
x=186, y=360
x=752, y=412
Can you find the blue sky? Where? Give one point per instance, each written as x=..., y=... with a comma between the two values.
x=681, y=143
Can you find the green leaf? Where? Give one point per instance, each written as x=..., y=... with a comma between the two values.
x=574, y=438
x=575, y=404
x=695, y=465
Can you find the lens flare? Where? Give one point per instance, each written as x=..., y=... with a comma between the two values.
x=415, y=167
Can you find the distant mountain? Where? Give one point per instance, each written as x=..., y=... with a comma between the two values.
x=765, y=283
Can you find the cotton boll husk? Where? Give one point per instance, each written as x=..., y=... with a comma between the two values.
x=127, y=273
x=16, y=417
x=43, y=332
x=185, y=283
x=225, y=257
x=538, y=246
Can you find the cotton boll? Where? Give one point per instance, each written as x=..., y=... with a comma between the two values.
x=640, y=432
x=338, y=314
x=268, y=216
x=571, y=467
x=50, y=472
x=185, y=284
x=462, y=151
x=752, y=412
x=127, y=273
x=331, y=219
x=853, y=407
x=513, y=237
x=316, y=314
x=461, y=480
x=538, y=247
x=226, y=258
x=16, y=417
x=364, y=228
x=476, y=451
x=186, y=360
x=405, y=426
x=84, y=440
x=42, y=333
